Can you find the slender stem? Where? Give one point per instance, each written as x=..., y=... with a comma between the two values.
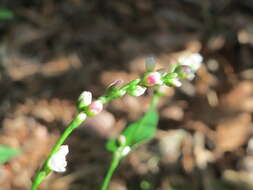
x=155, y=99
x=118, y=153
x=113, y=166
x=44, y=171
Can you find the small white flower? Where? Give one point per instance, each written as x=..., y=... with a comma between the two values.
x=176, y=82
x=194, y=61
x=85, y=98
x=58, y=161
x=82, y=116
x=140, y=90
x=126, y=150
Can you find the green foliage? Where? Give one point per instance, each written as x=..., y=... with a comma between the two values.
x=6, y=14
x=137, y=132
x=7, y=153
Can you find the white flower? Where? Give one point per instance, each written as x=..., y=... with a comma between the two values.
x=85, y=98
x=58, y=161
x=126, y=150
x=194, y=61
x=138, y=91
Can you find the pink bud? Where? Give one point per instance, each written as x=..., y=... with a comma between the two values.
x=152, y=79
x=94, y=108
x=122, y=140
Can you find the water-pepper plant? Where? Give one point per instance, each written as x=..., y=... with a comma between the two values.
x=134, y=134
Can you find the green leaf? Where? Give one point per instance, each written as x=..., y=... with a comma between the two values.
x=137, y=132
x=6, y=153
x=112, y=145
x=6, y=14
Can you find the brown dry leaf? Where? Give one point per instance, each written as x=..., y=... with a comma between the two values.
x=242, y=179
x=239, y=98
x=101, y=124
x=173, y=112
x=61, y=65
x=232, y=132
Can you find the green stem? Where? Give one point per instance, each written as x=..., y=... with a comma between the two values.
x=44, y=171
x=113, y=166
x=118, y=153
x=155, y=98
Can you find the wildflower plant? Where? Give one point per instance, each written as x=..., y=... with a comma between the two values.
x=134, y=134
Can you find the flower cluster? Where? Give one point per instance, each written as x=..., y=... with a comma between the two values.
x=184, y=68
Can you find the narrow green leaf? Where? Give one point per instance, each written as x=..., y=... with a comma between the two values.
x=6, y=153
x=138, y=132
x=6, y=14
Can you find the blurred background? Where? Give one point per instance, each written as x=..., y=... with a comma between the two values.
x=52, y=50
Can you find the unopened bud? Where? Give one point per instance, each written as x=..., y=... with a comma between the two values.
x=150, y=64
x=116, y=83
x=113, y=91
x=94, y=108
x=122, y=140
x=137, y=90
x=152, y=79
x=184, y=72
x=173, y=82
x=84, y=99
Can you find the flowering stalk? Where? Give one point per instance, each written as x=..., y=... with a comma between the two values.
x=45, y=170
x=137, y=87
x=123, y=149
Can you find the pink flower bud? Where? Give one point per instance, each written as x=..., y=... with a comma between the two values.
x=94, y=108
x=122, y=140
x=152, y=79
